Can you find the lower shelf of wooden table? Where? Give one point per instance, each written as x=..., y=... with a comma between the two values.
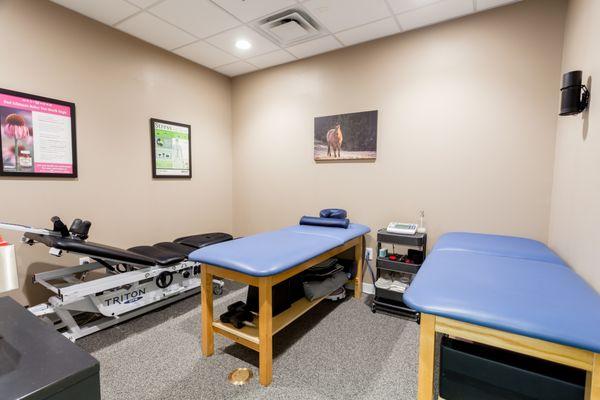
x=280, y=321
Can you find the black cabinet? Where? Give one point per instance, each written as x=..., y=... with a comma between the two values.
x=36, y=362
x=471, y=371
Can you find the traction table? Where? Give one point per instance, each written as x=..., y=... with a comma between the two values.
x=510, y=293
x=264, y=260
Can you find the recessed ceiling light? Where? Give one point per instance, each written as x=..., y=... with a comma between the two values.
x=243, y=44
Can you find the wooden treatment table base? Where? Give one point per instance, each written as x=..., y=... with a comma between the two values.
x=261, y=338
x=573, y=357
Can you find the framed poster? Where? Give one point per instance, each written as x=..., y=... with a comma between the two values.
x=37, y=136
x=171, y=149
x=346, y=137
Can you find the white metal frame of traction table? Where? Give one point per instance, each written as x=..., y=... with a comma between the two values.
x=261, y=338
x=566, y=355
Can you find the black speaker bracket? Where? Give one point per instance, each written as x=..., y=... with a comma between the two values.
x=585, y=98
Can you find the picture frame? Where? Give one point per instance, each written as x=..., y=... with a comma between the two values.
x=171, y=149
x=346, y=137
x=38, y=136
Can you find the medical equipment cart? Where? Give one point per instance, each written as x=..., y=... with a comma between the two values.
x=391, y=301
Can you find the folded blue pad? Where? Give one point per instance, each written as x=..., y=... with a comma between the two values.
x=270, y=253
x=326, y=222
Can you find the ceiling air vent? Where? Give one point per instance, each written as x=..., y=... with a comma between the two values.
x=289, y=27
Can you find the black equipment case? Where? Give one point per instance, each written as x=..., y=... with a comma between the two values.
x=37, y=362
x=471, y=371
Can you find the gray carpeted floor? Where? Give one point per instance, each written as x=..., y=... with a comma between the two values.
x=335, y=351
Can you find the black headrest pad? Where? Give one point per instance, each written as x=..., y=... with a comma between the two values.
x=336, y=213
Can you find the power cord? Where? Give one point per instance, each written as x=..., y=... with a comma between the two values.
x=370, y=270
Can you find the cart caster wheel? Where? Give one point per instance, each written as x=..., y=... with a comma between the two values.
x=217, y=290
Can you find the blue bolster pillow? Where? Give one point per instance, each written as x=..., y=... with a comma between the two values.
x=327, y=222
x=336, y=213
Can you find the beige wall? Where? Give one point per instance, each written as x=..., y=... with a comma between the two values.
x=575, y=217
x=467, y=122
x=117, y=83
x=467, y=115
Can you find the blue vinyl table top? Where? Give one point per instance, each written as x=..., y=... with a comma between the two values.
x=497, y=245
x=270, y=253
x=528, y=297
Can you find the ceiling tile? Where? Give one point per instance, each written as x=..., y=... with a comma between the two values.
x=198, y=17
x=487, y=4
x=270, y=59
x=338, y=15
x=371, y=31
x=237, y=68
x=151, y=29
x=400, y=6
x=226, y=41
x=107, y=11
x=247, y=10
x=177, y=25
x=205, y=54
x=314, y=47
x=438, y=12
x=143, y=3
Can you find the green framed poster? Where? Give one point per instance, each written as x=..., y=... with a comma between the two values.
x=171, y=149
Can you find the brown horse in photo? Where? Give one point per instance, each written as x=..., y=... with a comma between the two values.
x=334, y=141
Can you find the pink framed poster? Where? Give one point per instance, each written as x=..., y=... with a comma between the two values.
x=37, y=136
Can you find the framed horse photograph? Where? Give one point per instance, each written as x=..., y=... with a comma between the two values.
x=346, y=136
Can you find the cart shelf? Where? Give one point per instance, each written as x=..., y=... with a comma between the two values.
x=391, y=301
x=397, y=266
x=417, y=240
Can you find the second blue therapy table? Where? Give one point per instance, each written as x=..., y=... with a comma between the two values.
x=264, y=260
x=510, y=293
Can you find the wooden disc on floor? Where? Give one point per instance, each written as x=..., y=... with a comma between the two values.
x=240, y=376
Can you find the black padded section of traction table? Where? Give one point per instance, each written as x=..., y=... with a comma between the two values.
x=160, y=255
x=91, y=249
x=203, y=240
x=178, y=248
x=164, y=253
x=40, y=363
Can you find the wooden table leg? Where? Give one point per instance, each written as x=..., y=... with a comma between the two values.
x=208, y=340
x=426, y=357
x=592, y=383
x=588, y=386
x=359, y=253
x=265, y=331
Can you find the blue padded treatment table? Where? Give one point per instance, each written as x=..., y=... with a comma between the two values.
x=264, y=260
x=502, y=296
x=271, y=253
x=531, y=298
x=497, y=245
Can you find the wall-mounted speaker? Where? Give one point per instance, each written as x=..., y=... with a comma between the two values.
x=574, y=96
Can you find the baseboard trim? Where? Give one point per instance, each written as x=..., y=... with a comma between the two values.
x=368, y=288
